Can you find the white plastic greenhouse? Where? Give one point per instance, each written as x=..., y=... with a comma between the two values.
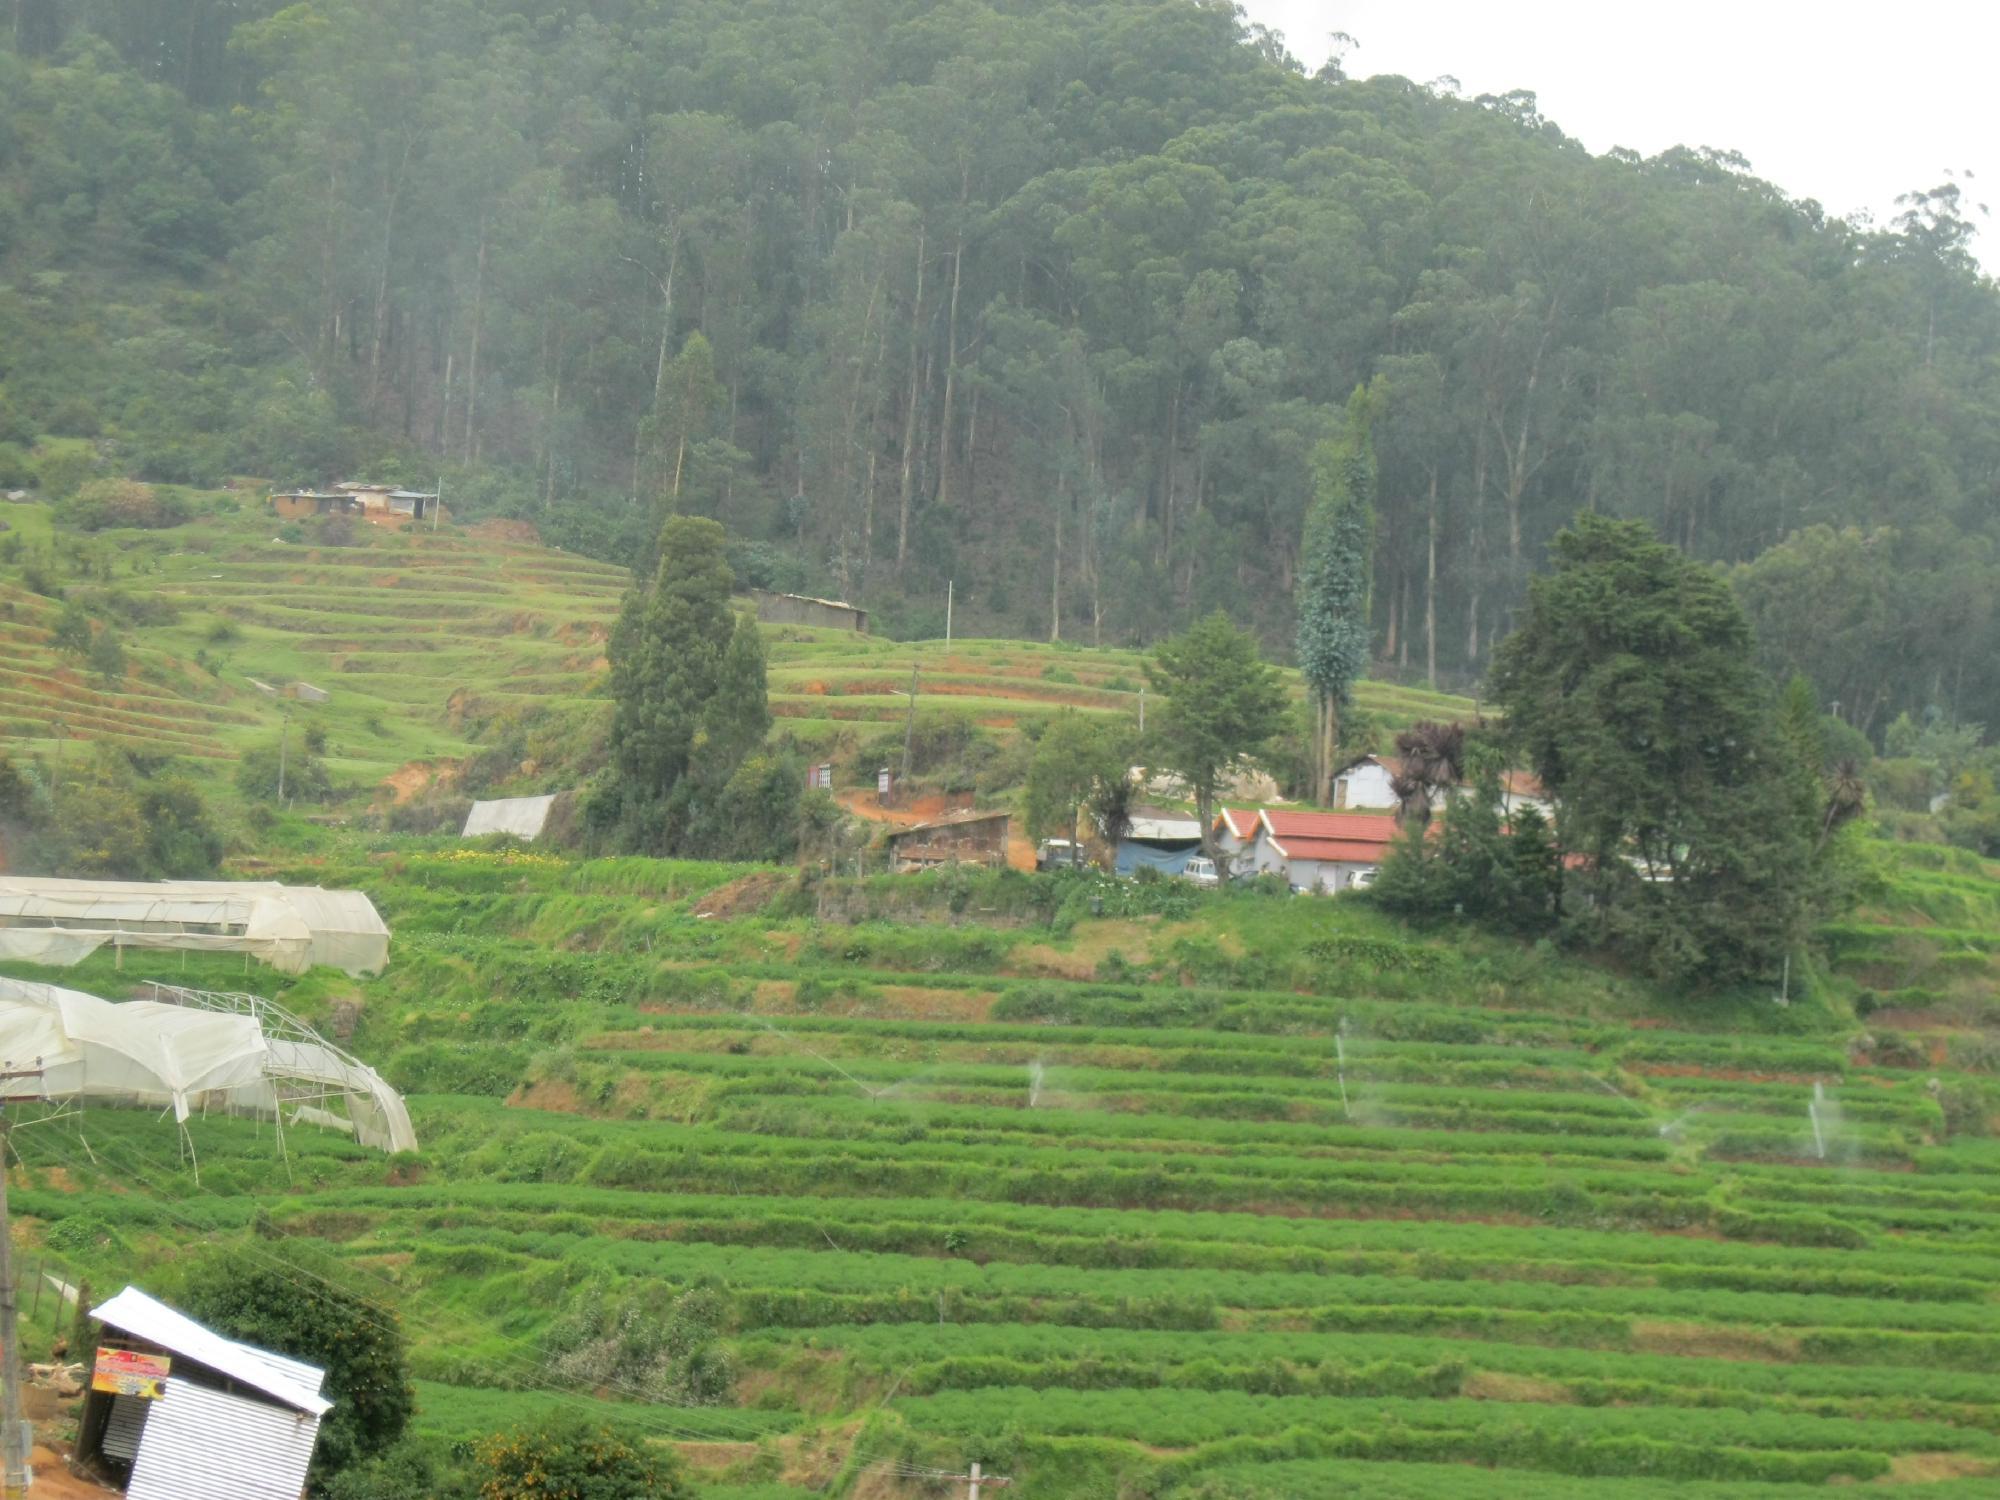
x=290, y=927
x=192, y=1051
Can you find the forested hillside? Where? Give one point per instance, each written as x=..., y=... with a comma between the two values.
x=1054, y=300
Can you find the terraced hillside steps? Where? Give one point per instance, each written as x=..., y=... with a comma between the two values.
x=1210, y=1195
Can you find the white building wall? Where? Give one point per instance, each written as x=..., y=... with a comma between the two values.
x=1364, y=786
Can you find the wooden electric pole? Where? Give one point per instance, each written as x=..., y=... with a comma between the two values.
x=910, y=723
x=13, y=1451
x=975, y=1481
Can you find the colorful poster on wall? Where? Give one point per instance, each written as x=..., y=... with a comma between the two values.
x=126, y=1372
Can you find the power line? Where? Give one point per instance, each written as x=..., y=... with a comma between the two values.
x=534, y=1375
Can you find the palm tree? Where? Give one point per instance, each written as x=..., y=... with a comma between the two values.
x=1431, y=761
x=1846, y=798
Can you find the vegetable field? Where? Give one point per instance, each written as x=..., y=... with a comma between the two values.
x=1123, y=1192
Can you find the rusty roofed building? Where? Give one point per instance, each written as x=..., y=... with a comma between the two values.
x=978, y=838
x=379, y=504
x=802, y=609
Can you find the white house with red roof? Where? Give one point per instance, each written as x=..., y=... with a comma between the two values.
x=1312, y=851
x=1236, y=830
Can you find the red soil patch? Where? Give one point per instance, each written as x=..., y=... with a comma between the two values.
x=861, y=802
x=418, y=777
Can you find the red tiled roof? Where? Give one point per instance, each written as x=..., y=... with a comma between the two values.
x=1363, y=828
x=1339, y=851
x=1240, y=821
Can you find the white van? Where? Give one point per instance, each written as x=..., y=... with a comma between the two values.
x=1201, y=870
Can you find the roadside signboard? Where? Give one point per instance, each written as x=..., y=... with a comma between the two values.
x=125, y=1372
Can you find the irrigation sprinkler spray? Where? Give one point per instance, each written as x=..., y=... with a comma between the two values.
x=1340, y=1065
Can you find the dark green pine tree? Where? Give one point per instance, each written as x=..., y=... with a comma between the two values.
x=1338, y=561
x=667, y=655
x=1630, y=689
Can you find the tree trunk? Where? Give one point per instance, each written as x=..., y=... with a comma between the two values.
x=472, y=362
x=910, y=412
x=950, y=377
x=444, y=408
x=549, y=444
x=639, y=429
x=1431, y=590
x=1055, y=571
x=381, y=340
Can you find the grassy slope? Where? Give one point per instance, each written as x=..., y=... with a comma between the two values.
x=1093, y=1199
x=408, y=633
x=825, y=1108
x=413, y=634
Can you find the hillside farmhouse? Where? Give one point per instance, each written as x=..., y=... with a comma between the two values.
x=1313, y=851
x=1369, y=784
x=1157, y=841
x=803, y=609
x=176, y=1409
x=378, y=504
x=978, y=838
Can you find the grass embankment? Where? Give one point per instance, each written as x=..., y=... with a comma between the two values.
x=422, y=638
x=1199, y=1196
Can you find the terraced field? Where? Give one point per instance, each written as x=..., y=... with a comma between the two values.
x=823, y=682
x=409, y=634
x=1122, y=1191
x=420, y=636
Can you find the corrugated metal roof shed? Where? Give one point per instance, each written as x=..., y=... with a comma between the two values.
x=200, y=1443
x=291, y=1381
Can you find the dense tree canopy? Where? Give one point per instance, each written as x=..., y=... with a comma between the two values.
x=1223, y=706
x=1691, y=814
x=1054, y=300
x=689, y=772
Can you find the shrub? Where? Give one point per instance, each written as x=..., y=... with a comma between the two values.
x=295, y=1299
x=15, y=424
x=72, y=629
x=182, y=841
x=65, y=469
x=16, y=472
x=105, y=503
x=107, y=657
x=405, y=1472
x=75, y=416
x=567, y=1459
x=305, y=775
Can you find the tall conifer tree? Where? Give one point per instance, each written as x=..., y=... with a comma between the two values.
x=1339, y=551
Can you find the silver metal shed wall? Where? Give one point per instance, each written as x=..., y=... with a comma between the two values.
x=200, y=1444
x=524, y=817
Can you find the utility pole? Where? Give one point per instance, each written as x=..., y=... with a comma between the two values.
x=910, y=723
x=947, y=613
x=284, y=739
x=975, y=1480
x=13, y=1452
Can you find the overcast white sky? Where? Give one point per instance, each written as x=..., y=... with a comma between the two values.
x=1845, y=103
